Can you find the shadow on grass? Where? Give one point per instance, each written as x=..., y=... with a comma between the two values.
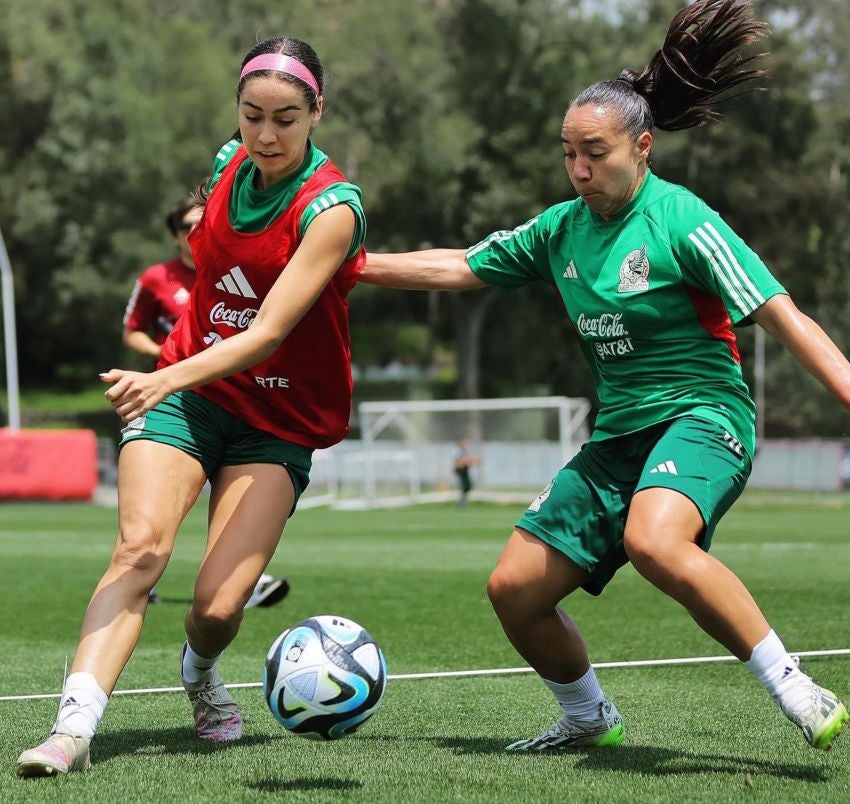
x=178, y=741
x=650, y=760
x=323, y=783
x=169, y=741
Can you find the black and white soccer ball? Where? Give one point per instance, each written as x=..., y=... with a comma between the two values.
x=324, y=677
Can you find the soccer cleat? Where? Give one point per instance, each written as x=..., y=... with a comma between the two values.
x=153, y=596
x=820, y=715
x=565, y=733
x=59, y=753
x=268, y=591
x=217, y=715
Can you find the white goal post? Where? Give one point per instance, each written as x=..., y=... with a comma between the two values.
x=518, y=444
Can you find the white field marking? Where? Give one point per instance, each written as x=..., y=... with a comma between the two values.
x=498, y=671
x=770, y=545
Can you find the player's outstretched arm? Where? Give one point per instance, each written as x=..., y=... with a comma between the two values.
x=431, y=269
x=812, y=347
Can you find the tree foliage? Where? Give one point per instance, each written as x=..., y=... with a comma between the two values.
x=448, y=115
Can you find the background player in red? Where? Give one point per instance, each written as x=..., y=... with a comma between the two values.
x=161, y=293
x=159, y=298
x=264, y=345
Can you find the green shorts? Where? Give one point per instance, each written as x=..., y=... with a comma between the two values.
x=582, y=512
x=214, y=437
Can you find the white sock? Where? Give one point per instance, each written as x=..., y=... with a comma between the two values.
x=196, y=668
x=579, y=699
x=773, y=666
x=81, y=706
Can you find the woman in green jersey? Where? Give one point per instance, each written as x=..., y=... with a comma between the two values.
x=654, y=281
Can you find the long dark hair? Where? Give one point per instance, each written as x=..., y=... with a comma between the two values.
x=699, y=66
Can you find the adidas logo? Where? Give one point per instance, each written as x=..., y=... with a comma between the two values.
x=69, y=701
x=570, y=271
x=234, y=283
x=668, y=467
x=733, y=444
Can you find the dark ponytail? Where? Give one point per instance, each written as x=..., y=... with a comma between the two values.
x=698, y=67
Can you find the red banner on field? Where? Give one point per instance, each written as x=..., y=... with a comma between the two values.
x=48, y=464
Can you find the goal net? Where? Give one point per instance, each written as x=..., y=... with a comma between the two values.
x=407, y=450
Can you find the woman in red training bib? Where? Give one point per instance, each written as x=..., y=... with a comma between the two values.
x=253, y=378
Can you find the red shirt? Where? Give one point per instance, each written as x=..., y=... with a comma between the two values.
x=302, y=393
x=159, y=298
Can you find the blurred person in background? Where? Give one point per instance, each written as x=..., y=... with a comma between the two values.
x=160, y=296
x=653, y=280
x=463, y=461
x=255, y=375
x=161, y=293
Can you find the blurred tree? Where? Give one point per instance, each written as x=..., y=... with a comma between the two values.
x=447, y=113
x=114, y=116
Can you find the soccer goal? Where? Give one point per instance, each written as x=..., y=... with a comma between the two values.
x=324, y=482
x=407, y=449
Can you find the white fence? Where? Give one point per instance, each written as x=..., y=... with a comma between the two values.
x=812, y=465
x=390, y=472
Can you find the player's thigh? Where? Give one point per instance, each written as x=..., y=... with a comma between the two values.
x=692, y=476
x=581, y=513
x=534, y=574
x=658, y=519
x=249, y=506
x=157, y=486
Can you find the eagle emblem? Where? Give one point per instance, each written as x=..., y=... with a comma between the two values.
x=634, y=271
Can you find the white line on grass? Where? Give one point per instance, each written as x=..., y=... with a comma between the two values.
x=497, y=671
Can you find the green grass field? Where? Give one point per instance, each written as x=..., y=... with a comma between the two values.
x=415, y=578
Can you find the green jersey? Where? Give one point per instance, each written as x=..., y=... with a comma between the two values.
x=654, y=293
x=253, y=209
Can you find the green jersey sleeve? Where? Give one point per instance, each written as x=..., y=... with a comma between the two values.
x=341, y=193
x=516, y=257
x=224, y=155
x=714, y=259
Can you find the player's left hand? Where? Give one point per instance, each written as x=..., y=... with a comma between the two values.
x=134, y=393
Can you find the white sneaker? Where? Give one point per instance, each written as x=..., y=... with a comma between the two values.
x=819, y=714
x=608, y=730
x=268, y=591
x=217, y=715
x=59, y=753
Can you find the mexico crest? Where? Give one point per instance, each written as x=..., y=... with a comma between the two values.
x=634, y=271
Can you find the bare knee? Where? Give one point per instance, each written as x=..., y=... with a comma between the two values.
x=643, y=551
x=667, y=563
x=510, y=597
x=139, y=549
x=214, y=616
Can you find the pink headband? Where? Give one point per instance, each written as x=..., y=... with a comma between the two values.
x=281, y=64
